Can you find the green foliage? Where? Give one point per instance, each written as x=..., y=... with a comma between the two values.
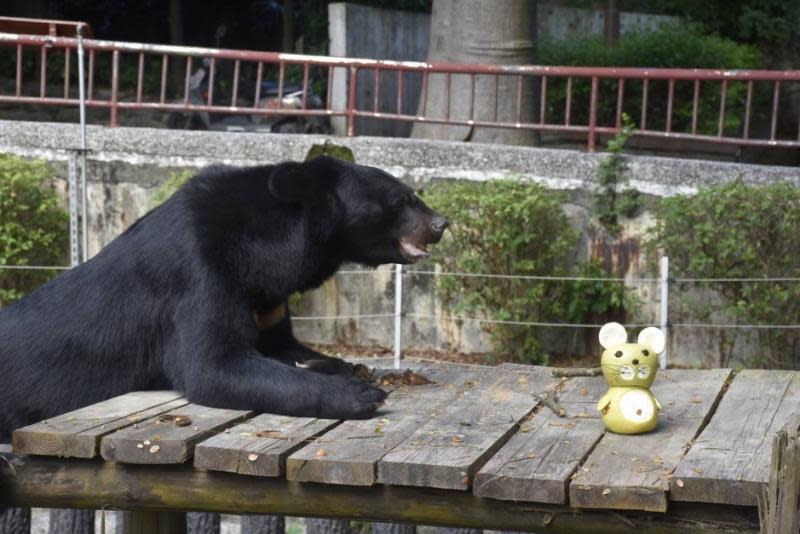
x=173, y=183
x=738, y=231
x=513, y=228
x=33, y=227
x=612, y=171
x=330, y=149
x=685, y=46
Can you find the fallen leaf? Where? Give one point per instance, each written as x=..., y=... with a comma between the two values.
x=457, y=440
x=696, y=399
x=321, y=453
x=584, y=392
x=274, y=434
x=177, y=420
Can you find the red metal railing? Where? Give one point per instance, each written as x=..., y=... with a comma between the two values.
x=716, y=106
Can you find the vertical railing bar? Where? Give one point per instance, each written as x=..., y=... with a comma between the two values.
x=543, y=101
x=748, y=103
x=19, y=70
x=164, y=69
x=424, y=92
x=330, y=86
x=186, y=81
x=774, y=122
x=670, y=97
x=399, y=91
x=722, y=101
x=306, y=68
x=496, y=95
x=695, y=101
x=376, y=78
x=212, y=72
x=568, y=110
x=447, y=105
x=43, y=73
x=620, y=98
x=67, y=58
x=519, y=99
x=472, y=96
x=259, y=76
x=593, y=114
x=114, y=88
x=645, y=93
x=281, y=76
x=235, y=94
x=140, y=79
x=351, y=101
x=90, y=90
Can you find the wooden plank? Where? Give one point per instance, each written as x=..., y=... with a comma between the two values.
x=537, y=462
x=77, y=434
x=450, y=448
x=729, y=462
x=52, y=482
x=350, y=453
x=159, y=440
x=632, y=472
x=242, y=450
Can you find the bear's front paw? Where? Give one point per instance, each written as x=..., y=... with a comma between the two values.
x=353, y=399
x=329, y=366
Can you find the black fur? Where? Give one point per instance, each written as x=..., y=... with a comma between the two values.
x=170, y=302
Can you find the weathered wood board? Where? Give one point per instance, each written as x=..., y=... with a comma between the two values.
x=537, y=462
x=349, y=453
x=632, y=472
x=260, y=445
x=77, y=434
x=159, y=440
x=452, y=446
x=729, y=462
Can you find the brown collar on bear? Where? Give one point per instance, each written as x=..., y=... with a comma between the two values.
x=269, y=318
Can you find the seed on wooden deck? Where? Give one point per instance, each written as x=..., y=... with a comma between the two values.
x=252, y=457
x=154, y=449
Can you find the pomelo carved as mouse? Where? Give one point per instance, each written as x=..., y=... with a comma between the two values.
x=628, y=407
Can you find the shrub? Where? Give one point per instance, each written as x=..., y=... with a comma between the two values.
x=738, y=231
x=168, y=188
x=33, y=227
x=512, y=228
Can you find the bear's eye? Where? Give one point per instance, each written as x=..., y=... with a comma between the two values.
x=618, y=354
x=646, y=352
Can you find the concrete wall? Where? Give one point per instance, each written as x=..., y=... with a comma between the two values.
x=367, y=32
x=561, y=22
x=128, y=164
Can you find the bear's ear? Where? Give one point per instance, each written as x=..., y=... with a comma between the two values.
x=653, y=338
x=612, y=334
x=303, y=183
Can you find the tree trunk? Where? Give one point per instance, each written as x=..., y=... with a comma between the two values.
x=287, y=26
x=393, y=528
x=327, y=526
x=69, y=521
x=15, y=521
x=263, y=524
x=202, y=523
x=478, y=31
x=611, y=23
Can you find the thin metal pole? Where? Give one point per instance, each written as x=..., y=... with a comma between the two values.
x=82, y=109
x=72, y=181
x=664, y=314
x=398, y=312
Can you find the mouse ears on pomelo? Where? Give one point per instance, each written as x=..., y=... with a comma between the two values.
x=613, y=334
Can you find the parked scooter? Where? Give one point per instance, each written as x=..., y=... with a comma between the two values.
x=292, y=99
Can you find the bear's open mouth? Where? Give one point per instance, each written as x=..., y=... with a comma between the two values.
x=413, y=251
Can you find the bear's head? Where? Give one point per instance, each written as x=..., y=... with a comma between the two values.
x=630, y=364
x=375, y=217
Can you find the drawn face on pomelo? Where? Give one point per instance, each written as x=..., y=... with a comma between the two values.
x=630, y=364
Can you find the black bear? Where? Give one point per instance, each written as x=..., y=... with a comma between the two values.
x=192, y=296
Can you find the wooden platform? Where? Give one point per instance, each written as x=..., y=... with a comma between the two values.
x=479, y=431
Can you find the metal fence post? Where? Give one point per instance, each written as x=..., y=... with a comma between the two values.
x=592, y=141
x=72, y=184
x=351, y=102
x=398, y=312
x=664, y=314
x=82, y=110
